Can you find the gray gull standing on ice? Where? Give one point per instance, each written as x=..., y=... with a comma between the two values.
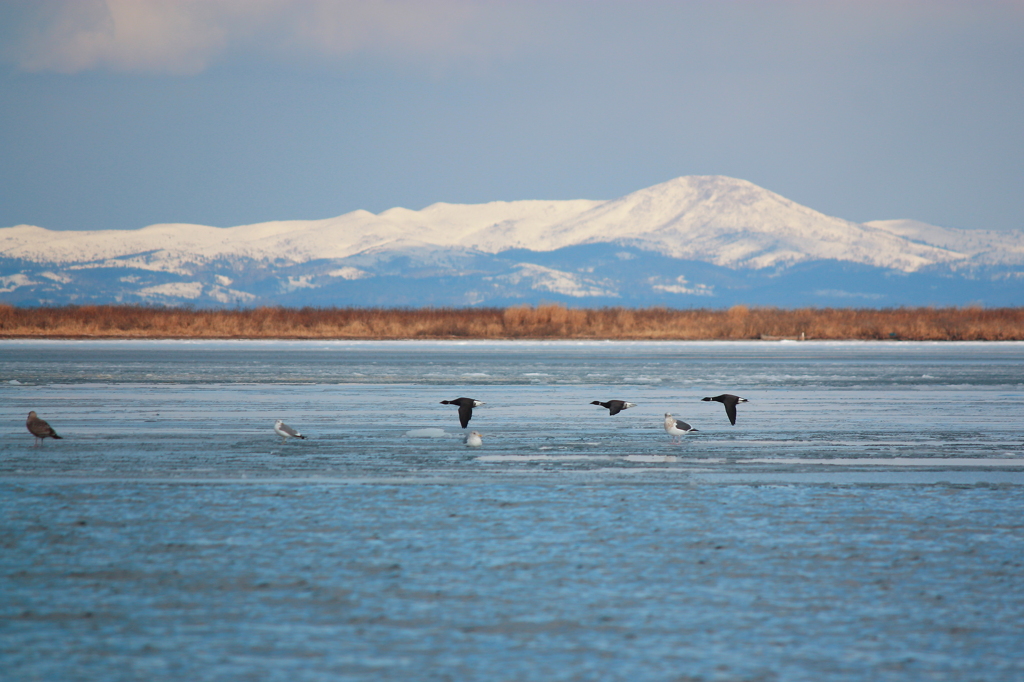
x=676, y=427
x=286, y=431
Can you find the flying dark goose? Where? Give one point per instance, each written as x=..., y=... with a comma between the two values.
x=614, y=406
x=730, y=402
x=39, y=428
x=466, y=406
x=676, y=428
x=286, y=431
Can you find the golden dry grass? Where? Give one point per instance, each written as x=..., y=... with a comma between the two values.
x=522, y=322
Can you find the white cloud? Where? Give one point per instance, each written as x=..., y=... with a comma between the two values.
x=122, y=35
x=185, y=36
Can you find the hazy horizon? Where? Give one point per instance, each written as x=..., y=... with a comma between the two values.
x=119, y=115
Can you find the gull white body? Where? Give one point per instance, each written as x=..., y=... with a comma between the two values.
x=676, y=428
x=473, y=439
x=286, y=431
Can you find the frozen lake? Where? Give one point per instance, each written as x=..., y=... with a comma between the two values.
x=864, y=519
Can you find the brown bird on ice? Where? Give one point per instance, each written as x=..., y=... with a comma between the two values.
x=39, y=428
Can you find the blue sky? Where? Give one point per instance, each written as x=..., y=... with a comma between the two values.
x=124, y=113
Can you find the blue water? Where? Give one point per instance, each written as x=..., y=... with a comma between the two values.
x=862, y=521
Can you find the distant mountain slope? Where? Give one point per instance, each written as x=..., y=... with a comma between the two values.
x=980, y=247
x=695, y=240
x=736, y=224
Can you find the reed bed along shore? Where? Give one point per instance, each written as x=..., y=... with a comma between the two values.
x=521, y=322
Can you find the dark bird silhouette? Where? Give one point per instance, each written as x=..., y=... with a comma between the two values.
x=466, y=406
x=730, y=402
x=614, y=406
x=39, y=428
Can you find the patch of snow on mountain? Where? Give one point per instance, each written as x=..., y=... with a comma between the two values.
x=682, y=286
x=983, y=247
x=839, y=293
x=174, y=289
x=226, y=295
x=557, y=281
x=300, y=282
x=348, y=272
x=137, y=263
x=12, y=282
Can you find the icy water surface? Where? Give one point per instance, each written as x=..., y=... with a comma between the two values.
x=862, y=520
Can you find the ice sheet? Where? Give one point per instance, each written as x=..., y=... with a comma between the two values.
x=862, y=520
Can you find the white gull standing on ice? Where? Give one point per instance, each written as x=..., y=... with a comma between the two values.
x=676, y=427
x=286, y=431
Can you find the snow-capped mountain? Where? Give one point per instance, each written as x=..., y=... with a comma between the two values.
x=692, y=241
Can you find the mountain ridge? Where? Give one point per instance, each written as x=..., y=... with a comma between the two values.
x=728, y=223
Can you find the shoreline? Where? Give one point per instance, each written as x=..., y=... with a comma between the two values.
x=38, y=337
x=544, y=322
